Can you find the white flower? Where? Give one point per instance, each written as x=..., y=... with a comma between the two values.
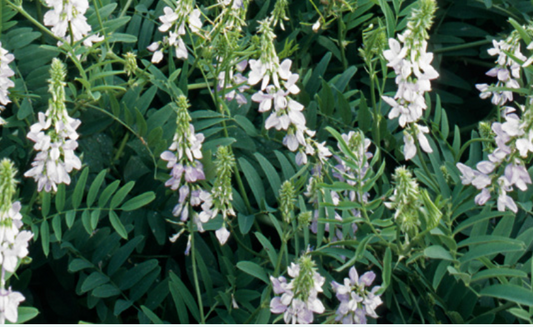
x=69, y=15
x=9, y=302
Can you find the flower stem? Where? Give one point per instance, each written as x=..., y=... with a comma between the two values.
x=196, y=283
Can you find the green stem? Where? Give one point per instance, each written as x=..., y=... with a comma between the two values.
x=101, y=23
x=196, y=282
x=467, y=143
x=121, y=148
x=126, y=7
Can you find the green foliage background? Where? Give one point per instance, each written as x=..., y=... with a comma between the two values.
x=101, y=251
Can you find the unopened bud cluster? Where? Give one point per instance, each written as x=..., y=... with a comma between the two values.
x=222, y=193
x=405, y=201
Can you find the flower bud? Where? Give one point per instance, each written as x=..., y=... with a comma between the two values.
x=286, y=200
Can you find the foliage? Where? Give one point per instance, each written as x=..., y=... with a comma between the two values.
x=101, y=251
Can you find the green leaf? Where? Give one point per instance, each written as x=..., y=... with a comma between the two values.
x=269, y=248
x=121, y=305
x=95, y=216
x=86, y=221
x=26, y=313
x=45, y=237
x=387, y=269
x=151, y=315
x=487, y=239
x=138, y=201
x=245, y=222
x=498, y=272
x=246, y=125
x=107, y=192
x=79, y=264
x=180, y=291
x=438, y=252
x=286, y=168
x=253, y=179
x=70, y=217
x=122, y=254
x=25, y=109
x=78, y=190
x=45, y=206
x=117, y=225
x=509, y=292
x=56, y=226
x=105, y=291
x=253, y=269
x=270, y=172
x=95, y=187
x=521, y=313
x=314, y=82
x=488, y=249
x=121, y=194
x=135, y=274
x=389, y=18
x=94, y=280
x=122, y=37
x=477, y=218
x=523, y=33
x=326, y=100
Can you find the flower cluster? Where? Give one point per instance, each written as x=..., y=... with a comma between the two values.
x=298, y=298
x=222, y=192
x=315, y=193
x=232, y=84
x=13, y=242
x=406, y=201
x=183, y=158
x=56, y=157
x=356, y=301
x=69, y=15
x=5, y=82
x=507, y=70
x=412, y=65
x=354, y=174
x=176, y=19
x=514, y=142
x=287, y=113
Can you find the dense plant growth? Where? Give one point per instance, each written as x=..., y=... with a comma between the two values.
x=237, y=161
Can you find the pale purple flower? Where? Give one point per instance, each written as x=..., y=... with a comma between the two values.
x=356, y=302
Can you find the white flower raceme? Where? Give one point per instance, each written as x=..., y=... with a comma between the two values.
x=13, y=243
x=507, y=70
x=183, y=157
x=298, y=299
x=356, y=301
x=173, y=21
x=55, y=137
x=5, y=82
x=69, y=16
x=412, y=65
x=286, y=113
